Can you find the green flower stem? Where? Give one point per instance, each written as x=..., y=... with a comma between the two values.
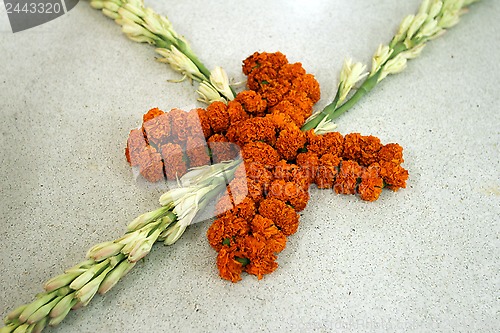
x=433, y=19
x=78, y=285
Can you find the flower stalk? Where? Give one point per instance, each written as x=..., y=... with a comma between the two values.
x=434, y=17
x=107, y=263
x=110, y=261
x=141, y=24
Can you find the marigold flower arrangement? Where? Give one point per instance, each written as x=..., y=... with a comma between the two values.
x=256, y=153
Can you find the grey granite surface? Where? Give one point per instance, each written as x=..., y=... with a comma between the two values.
x=424, y=259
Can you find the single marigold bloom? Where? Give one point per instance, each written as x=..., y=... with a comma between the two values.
x=286, y=171
x=260, y=152
x=327, y=170
x=222, y=149
x=371, y=183
x=218, y=116
x=245, y=209
x=281, y=120
x=254, y=129
x=178, y=119
x=297, y=196
x=226, y=229
x=274, y=91
x=301, y=101
x=252, y=102
x=236, y=112
x=284, y=216
x=261, y=77
x=264, y=264
x=394, y=175
x=197, y=151
x=329, y=143
x=136, y=143
x=198, y=124
x=308, y=84
x=151, y=114
x=256, y=190
x=291, y=71
x=352, y=147
x=174, y=160
x=258, y=172
x=157, y=129
x=347, y=178
x=151, y=165
x=290, y=193
x=309, y=162
x=229, y=268
x=295, y=113
x=391, y=152
x=289, y=142
x=257, y=60
x=370, y=147
x=266, y=228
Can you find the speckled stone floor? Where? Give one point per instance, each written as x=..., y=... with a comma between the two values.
x=424, y=259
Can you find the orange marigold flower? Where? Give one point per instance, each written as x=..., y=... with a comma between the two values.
x=327, y=170
x=254, y=129
x=198, y=123
x=197, y=151
x=218, y=116
x=157, y=130
x=286, y=171
x=290, y=172
x=371, y=183
x=284, y=216
x=297, y=196
x=151, y=114
x=370, y=146
x=261, y=77
x=236, y=112
x=295, y=113
x=256, y=190
x=178, y=120
x=226, y=229
x=289, y=142
x=264, y=264
x=151, y=165
x=332, y=143
x=229, y=268
x=245, y=209
x=174, y=160
x=274, y=92
x=290, y=193
x=260, y=152
x=301, y=101
x=257, y=172
x=347, y=178
x=308, y=84
x=252, y=102
x=136, y=143
x=394, y=175
x=275, y=240
x=281, y=120
x=222, y=149
x=291, y=71
x=352, y=147
x=257, y=60
x=391, y=152
x=309, y=162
